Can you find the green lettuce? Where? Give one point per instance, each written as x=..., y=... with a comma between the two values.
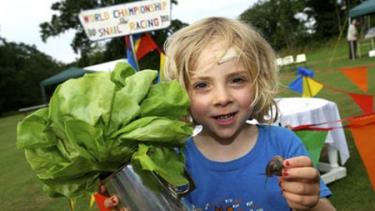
x=97, y=123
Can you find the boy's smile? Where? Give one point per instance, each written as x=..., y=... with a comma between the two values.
x=225, y=119
x=220, y=92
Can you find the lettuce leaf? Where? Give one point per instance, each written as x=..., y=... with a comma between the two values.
x=163, y=161
x=99, y=122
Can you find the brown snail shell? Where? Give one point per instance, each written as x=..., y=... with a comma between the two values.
x=275, y=166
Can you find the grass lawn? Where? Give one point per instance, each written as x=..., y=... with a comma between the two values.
x=23, y=191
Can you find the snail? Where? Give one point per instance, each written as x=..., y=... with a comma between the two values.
x=275, y=166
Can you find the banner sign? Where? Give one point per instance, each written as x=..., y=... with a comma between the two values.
x=125, y=19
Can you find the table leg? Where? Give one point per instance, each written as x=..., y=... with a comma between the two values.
x=333, y=157
x=331, y=170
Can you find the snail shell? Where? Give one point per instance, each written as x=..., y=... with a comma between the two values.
x=275, y=166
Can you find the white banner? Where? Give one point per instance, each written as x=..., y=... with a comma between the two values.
x=125, y=19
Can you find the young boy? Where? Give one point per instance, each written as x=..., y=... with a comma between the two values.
x=229, y=71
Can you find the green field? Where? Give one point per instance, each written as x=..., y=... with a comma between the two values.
x=23, y=191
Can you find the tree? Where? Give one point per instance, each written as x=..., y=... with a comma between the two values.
x=331, y=16
x=67, y=19
x=328, y=16
x=22, y=67
x=276, y=20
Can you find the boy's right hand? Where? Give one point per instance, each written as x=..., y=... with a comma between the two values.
x=110, y=202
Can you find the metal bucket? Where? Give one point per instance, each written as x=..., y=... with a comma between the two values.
x=143, y=191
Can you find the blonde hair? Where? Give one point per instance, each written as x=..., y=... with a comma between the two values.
x=185, y=46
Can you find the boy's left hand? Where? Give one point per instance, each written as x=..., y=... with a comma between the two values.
x=300, y=183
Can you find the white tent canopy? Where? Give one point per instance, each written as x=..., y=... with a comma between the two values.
x=106, y=66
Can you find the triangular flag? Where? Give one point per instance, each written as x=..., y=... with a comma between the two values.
x=99, y=198
x=365, y=102
x=136, y=41
x=363, y=131
x=296, y=85
x=311, y=87
x=162, y=62
x=130, y=55
x=305, y=72
x=358, y=76
x=314, y=142
x=72, y=203
x=92, y=200
x=146, y=45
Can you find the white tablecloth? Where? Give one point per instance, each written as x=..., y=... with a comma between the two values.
x=297, y=111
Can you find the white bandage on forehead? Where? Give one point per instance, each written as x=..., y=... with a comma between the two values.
x=230, y=54
x=213, y=55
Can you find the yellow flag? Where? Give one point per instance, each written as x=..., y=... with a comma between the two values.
x=161, y=71
x=72, y=204
x=137, y=41
x=92, y=200
x=310, y=87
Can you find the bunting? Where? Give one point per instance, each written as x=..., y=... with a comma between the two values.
x=358, y=76
x=297, y=85
x=363, y=131
x=162, y=63
x=305, y=72
x=136, y=41
x=138, y=46
x=99, y=198
x=365, y=102
x=92, y=200
x=308, y=87
x=314, y=142
x=362, y=128
x=311, y=87
x=145, y=45
x=130, y=52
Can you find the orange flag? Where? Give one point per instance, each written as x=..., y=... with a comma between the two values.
x=358, y=75
x=365, y=102
x=363, y=131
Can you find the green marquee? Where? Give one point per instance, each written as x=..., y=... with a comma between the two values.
x=72, y=72
x=365, y=8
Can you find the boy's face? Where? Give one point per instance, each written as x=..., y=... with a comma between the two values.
x=220, y=93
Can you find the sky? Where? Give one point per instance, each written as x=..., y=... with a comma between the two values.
x=20, y=19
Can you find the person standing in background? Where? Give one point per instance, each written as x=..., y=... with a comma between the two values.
x=352, y=37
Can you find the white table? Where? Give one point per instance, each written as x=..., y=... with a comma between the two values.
x=297, y=111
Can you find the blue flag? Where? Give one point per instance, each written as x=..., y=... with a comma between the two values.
x=130, y=52
x=305, y=72
x=297, y=85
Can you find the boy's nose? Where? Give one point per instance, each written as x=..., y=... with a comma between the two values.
x=222, y=96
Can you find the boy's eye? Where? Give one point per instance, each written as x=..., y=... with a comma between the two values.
x=199, y=85
x=238, y=80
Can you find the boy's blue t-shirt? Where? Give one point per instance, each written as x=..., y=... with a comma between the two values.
x=241, y=184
